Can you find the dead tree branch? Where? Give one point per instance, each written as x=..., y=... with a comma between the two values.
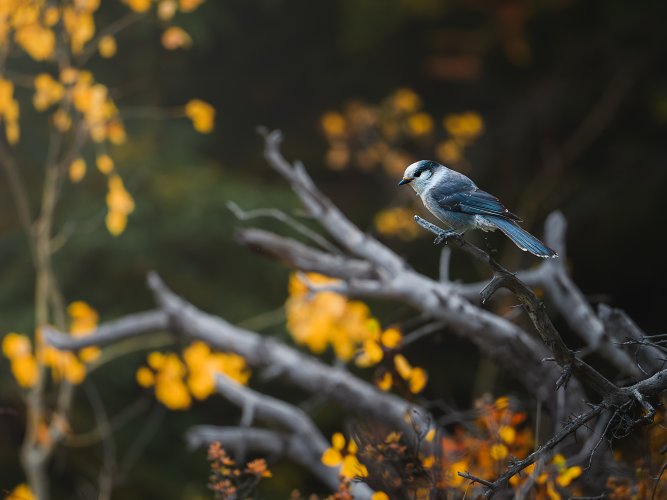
x=264, y=442
x=296, y=421
x=552, y=276
x=512, y=347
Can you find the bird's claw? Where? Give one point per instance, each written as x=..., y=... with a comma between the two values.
x=443, y=236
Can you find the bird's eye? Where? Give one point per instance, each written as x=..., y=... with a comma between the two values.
x=417, y=174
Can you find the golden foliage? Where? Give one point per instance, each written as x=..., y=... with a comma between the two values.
x=18, y=349
x=9, y=111
x=119, y=202
x=328, y=319
x=338, y=455
x=202, y=115
x=384, y=135
x=22, y=492
x=48, y=91
x=176, y=38
x=25, y=363
x=178, y=379
x=231, y=480
x=322, y=319
x=138, y=5
x=398, y=221
x=107, y=46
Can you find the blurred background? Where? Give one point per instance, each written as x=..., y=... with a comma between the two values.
x=550, y=105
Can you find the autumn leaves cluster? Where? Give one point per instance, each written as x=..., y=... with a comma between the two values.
x=62, y=39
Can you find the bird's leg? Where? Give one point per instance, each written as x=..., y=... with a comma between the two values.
x=443, y=235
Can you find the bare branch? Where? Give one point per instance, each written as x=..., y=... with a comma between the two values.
x=620, y=327
x=295, y=254
x=534, y=307
x=294, y=419
x=283, y=217
x=326, y=213
x=543, y=450
x=273, y=410
x=109, y=333
x=268, y=442
x=553, y=277
x=503, y=341
x=299, y=369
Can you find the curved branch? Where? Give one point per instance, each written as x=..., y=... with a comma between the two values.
x=295, y=254
x=302, y=370
x=109, y=333
x=267, y=442
x=302, y=429
x=568, y=299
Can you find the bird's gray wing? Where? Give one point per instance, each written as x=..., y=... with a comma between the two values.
x=471, y=201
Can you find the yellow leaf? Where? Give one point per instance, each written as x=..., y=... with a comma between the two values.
x=201, y=384
x=507, y=434
x=551, y=492
x=498, y=451
x=89, y=354
x=104, y=164
x=189, y=5
x=502, y=403
x=559, y=461
x=77, y=170
x=371, y=354
x=16, y=345
x=145, y=377
x=202, y=115
x=25, y=370
x=22, y=492
x=449, y=151
x=38, y=41
x=331, y=457
x=51, y=16
x=352, y=468
x=566, y=476
x=406, y=100
x=74, y=370
x=402, y=366
x=156, y=360
x=427, y=462
x=418, y=379
x=80, y=309
x=430, y=435
x=338, y=441
x=172, y=392
x=166, y=9
x=138, y=5
x=454, y=469
x=176, y=38
x=385, y=382
x=107, y=46
x=116, y=132
x=62, y=120
x=333, y=124
x=391, y=338
x=48, y=91
x=420, y=124
x=352, y=447
x=379, y=495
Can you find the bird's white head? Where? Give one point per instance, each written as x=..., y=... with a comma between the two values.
x=421, y=175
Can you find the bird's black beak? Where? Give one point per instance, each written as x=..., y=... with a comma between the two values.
x=405, y=180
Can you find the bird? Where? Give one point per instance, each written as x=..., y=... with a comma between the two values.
x=457, y=201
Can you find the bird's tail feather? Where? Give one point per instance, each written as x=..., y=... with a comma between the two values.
x=521, y=238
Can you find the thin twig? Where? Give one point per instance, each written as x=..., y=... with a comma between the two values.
x=274, y=213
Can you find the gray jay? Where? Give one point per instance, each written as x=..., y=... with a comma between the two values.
x=460, y=204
